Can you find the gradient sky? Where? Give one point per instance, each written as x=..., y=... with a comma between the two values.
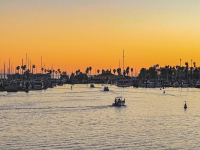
x=76, y=34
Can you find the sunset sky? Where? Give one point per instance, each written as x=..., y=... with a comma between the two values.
x=72, y=34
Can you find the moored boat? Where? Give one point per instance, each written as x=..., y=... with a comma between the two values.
x=124, y=83
x=53, y=82
x=184, y=84
x=37, y=85
x=59, y=82
x=176, y=84
x=12, y=87
x=197, y=84
x=106, y=88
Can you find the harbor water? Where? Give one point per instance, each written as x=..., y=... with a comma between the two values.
x=84, y=118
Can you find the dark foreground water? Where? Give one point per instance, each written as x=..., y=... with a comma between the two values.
x=84, y=118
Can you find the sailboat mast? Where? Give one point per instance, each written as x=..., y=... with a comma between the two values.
x=123, y=62
x=4, y=71
x=41, y=64
x=26, y=62
x=9, y=66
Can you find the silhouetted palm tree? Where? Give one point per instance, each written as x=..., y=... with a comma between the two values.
x=33, y=68
x=50, y=71
x=77, y=71
x=98, y=71
x=114, y=70
x=186, y=64
x=53, y=73
x=64, y=73
x=86, y=71
x=18, y=68
x=194, y=63
x=124, y=72
x=142, y=73
x=56, y=73
x=119, y=71
x=127, y=70
x=90, y=68
x=42, y=70
x=131, y=71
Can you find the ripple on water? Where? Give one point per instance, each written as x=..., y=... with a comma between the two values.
x=84, y=118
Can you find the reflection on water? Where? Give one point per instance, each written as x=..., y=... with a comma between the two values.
x=84, y=118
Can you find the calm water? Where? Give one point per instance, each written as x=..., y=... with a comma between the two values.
x=83, y=118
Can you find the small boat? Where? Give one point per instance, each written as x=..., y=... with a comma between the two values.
x=184, y=84
x=197, y=84
x=37, y=85
x=119, y=101
x=124, y=83
x=176, y=84
x=106, y=88
x=59, y=82
x=92, y=85
x=53, y=82
x=12, y=87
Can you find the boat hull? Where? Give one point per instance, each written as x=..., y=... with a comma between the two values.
x=119, y=104
x=37, y=87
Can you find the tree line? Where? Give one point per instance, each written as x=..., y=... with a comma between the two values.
x=170, y=72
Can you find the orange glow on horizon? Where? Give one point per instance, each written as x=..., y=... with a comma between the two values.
x=74, y=35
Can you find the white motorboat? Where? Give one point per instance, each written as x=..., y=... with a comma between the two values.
x=119, y=101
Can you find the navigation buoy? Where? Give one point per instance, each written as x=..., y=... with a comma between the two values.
x=185, y=106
